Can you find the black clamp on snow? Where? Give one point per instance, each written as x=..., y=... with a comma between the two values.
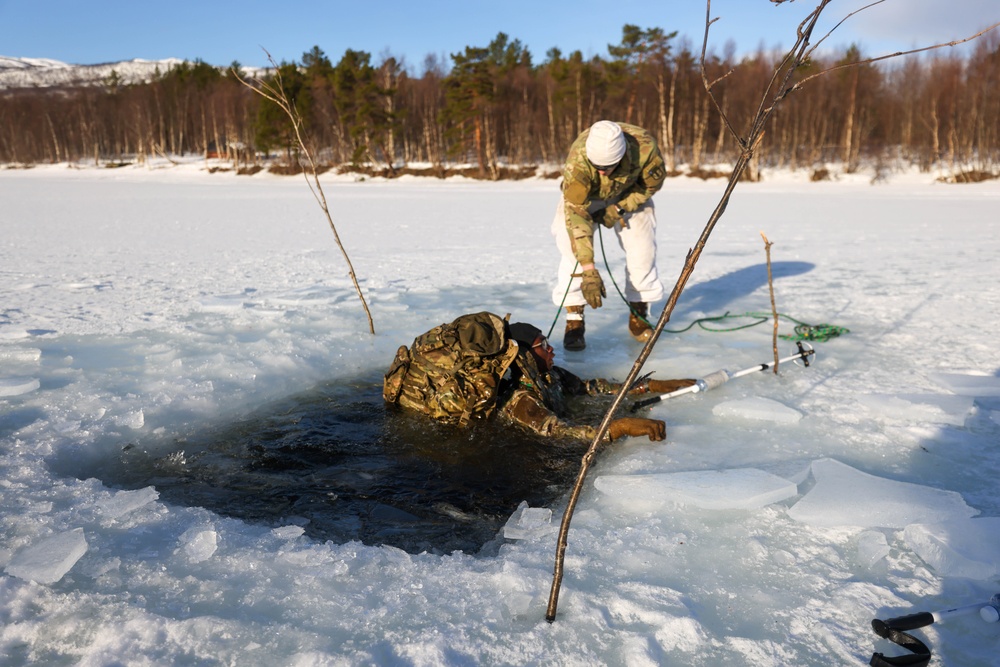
x=892, y=630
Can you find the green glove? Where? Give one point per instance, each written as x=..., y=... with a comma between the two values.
x=593, y=288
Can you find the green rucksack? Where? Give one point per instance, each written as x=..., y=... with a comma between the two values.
x=452, y=373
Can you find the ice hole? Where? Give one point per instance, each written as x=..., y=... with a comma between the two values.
x=337, y=462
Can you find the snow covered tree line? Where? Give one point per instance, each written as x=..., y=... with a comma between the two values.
x=498, y=111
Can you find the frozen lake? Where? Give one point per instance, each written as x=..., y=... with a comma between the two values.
x=153, y=313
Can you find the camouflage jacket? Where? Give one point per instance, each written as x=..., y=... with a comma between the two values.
x=638, y=176
x=538, y=402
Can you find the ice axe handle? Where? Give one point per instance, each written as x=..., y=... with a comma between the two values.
x=656, y=399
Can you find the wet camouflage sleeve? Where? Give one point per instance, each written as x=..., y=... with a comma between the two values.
x=528, y=410
x=638, y=177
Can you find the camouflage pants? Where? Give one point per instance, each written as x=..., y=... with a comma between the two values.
x=642, y=281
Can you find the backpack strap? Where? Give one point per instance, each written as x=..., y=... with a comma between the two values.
x=392, y=383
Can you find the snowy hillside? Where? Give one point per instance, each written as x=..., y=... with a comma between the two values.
x=46, y=73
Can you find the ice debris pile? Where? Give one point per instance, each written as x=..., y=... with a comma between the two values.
x=937, y=525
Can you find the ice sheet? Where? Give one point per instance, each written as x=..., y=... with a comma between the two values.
x=171, y=342
x=17, y=386
x=739, y=488
x=960, y=548
x=844, y=496
x=758, y=408
x=48, y=560
x=123, y=502
x=965, y=384
x=936, y=408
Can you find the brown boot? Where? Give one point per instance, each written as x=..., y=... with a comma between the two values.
x=573, y=338
x=637, y=324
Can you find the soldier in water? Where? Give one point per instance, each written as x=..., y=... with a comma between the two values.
x=479, y=367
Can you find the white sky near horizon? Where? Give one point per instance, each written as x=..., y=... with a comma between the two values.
x=222, y=31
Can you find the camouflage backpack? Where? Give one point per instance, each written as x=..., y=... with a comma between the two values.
x=452, y=373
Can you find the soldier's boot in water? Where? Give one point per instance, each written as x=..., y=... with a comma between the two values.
x=573, y=338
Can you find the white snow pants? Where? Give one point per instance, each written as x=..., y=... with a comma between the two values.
x=638, y=240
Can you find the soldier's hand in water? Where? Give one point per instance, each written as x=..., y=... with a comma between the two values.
x=655, y=429
x=667, y=386
x=593, y=288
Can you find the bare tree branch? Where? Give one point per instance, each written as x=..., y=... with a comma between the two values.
x=276, y=94
x=896, y=54
x=704, y=76
x=841, y=22
x=774, y=309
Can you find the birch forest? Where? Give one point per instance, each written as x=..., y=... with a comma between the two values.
x=494, y=112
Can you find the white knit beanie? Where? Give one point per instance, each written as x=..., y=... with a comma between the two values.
x=606, y=143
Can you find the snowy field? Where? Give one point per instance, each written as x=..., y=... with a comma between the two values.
x=143, y=305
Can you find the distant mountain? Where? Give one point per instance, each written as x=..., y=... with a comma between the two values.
x=45, y=73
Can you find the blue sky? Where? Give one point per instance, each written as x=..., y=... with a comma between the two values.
x=220, y=31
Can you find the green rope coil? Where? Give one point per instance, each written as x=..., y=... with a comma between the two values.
x=803, y=331
x=807, y=332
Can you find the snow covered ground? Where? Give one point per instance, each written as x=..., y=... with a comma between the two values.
x=143, y=305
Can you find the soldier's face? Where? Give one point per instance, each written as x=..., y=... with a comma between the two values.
x=604, y=170
x=544, y=353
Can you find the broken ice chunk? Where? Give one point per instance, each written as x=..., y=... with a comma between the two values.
x=48, y=560
x=960, y=548
x=844, y=496
x=18, y=386
x=872, y=547
x=737, y=488
x=124, y=502
x=288, y=532
x=528, y=522
x=199, y=544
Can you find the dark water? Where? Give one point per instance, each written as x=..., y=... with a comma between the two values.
x=338, y=462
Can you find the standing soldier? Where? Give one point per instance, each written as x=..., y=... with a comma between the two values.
x=610, y=176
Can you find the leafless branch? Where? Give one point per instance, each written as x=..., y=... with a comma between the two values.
x=276, y=93
x=774, y=309
x=896, y=54
x=841, y=22
x=704, y=76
